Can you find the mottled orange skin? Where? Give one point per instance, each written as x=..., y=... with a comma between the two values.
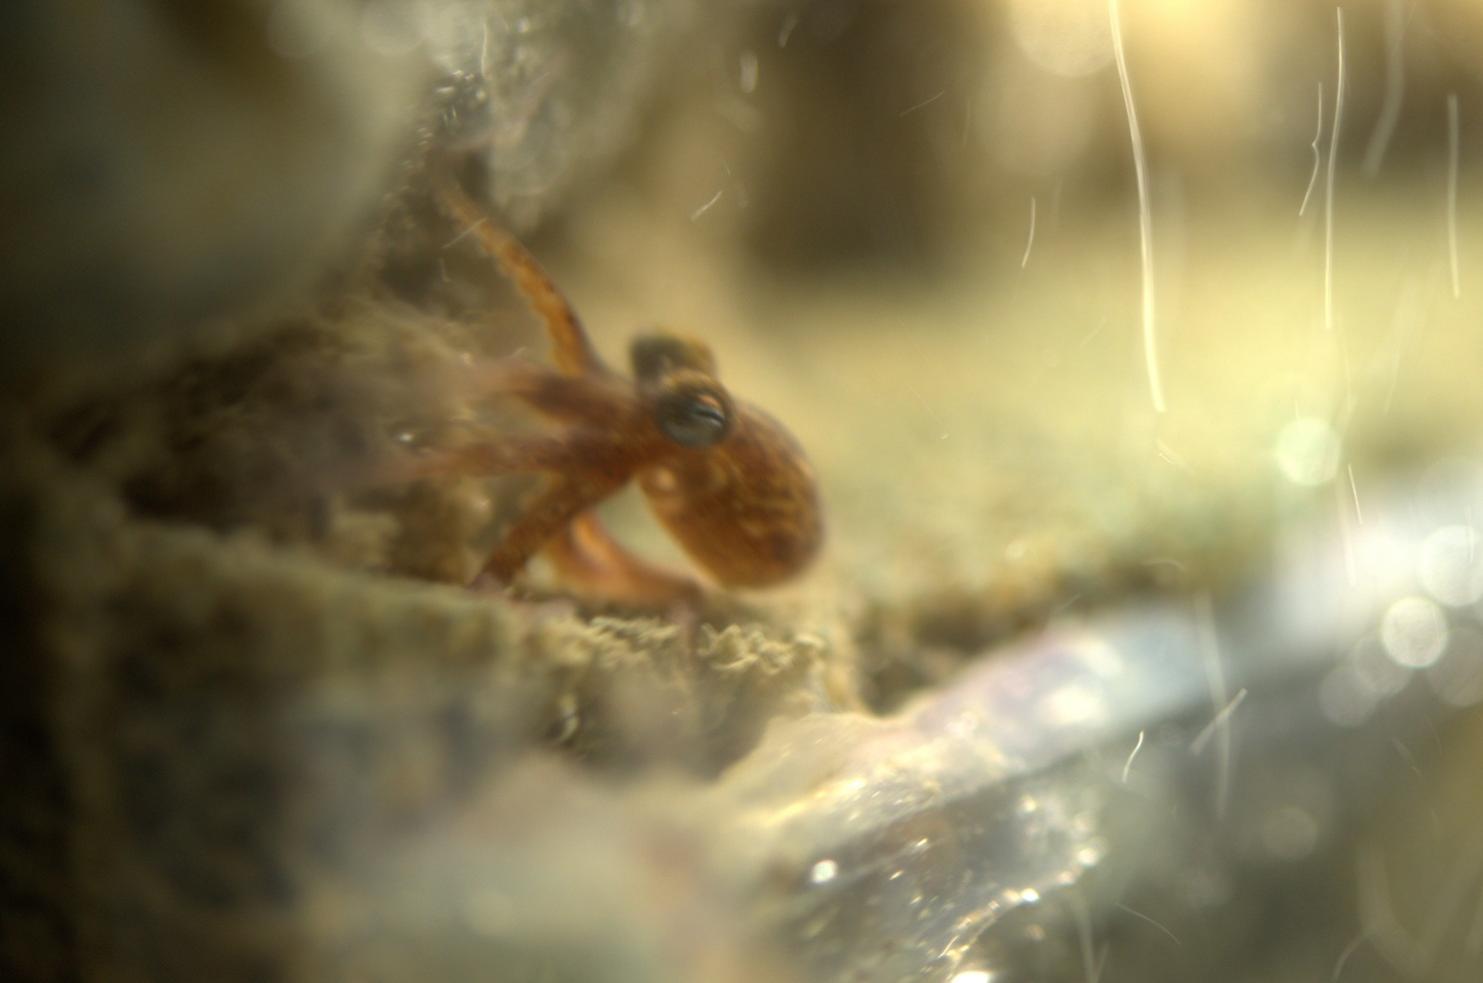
x=727, y=481
x=746, y=511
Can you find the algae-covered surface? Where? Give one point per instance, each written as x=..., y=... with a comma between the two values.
x=1137, y=650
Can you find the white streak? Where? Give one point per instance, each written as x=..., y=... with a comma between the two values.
x=707, y=206
x=1317, y=154
x=1354, y=493
x=465, y=234
x=1220, y=726
x=747, y=65
x=1090, y=964
x=1452, y=141
x=1217, y=722
x=1128, y=765
x=1395, y=87
x=923, y=104
x=1170, y=456
x=786, y=31
x=1158, y=925
x=1145, y=217
x=1030, y=241
x=1328, y=213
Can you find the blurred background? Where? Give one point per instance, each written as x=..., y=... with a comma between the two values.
x=1135, y=346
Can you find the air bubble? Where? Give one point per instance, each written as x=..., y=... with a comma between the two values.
x=1451, y=565
x=1307, y=451
x=1071, y=40
x=1414, y=632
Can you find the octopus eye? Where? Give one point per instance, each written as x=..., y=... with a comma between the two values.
x=694, y=418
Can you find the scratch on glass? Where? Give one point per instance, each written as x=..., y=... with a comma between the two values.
x=1145, y=216
x=1220, y=726
x=1091, y=963
x=1328, y=212
x=1395, y=87
x=1317, y=155
x=711, y=203
x=923, y=104
x=786, y=31
x=1452, y=141
x=1030, y=240
x=1128, y=765
x=1156, y=924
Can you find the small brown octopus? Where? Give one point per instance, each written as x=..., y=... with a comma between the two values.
x=727, y=481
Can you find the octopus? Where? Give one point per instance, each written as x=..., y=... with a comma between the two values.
x=727, y=481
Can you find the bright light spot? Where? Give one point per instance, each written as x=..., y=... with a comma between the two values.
x=1067, y=37
x=1385, y=556
x=1097, y=654
x=1307, y=451
x=1075, y=704
x=1030, y=895
x=1457, y=678
x=1451, y=565
x=1414, y=632
x=823, y=872
x=748, y=72
x=1089, y=856
x=965, y=724
x=973, y=976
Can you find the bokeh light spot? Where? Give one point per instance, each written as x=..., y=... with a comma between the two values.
x=1414, y=632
